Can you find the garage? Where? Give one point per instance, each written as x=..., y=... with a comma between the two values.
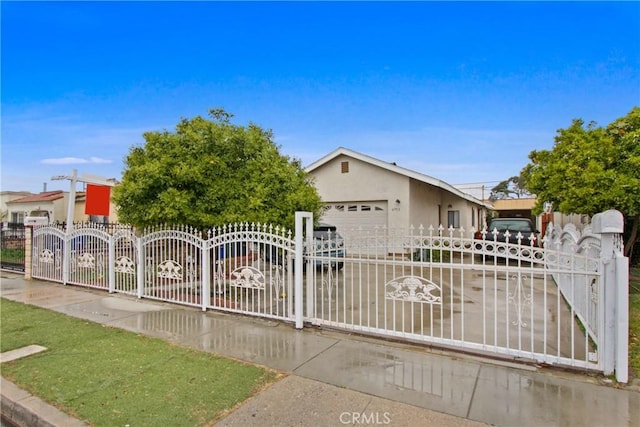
x=353, y=215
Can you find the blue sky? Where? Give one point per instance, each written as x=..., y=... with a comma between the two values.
x=461, y=91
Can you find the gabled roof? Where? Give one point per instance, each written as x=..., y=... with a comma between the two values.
x=392, y=167
x=47, y=196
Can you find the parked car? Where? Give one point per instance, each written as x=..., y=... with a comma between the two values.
x=516, y=227
x=328, y=244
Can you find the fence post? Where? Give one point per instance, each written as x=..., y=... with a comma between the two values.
x=66, y=257
x=28, y=255
x=112, y=264
x=142, y=264
x=610, y=226
x=298, y=293
x=311, y=271
x=205, y=272
x=622, y=334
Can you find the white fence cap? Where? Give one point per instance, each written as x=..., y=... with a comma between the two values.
x=611, y=221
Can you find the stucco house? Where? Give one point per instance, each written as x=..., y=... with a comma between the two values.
x=362, y=191
x=7, y=196
x=54, y=206
x=510, y=208
x=49, y=204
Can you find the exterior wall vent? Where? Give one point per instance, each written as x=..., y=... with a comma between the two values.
x=344, y=167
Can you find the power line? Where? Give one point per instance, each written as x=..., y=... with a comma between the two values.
x=477, y=184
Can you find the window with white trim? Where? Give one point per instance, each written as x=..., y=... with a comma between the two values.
x=453, y=219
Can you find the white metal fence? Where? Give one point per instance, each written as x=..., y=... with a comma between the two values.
x=562, y=302
x=240, y=268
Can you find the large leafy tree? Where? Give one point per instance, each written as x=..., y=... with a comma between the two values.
x=591, y=169
x=210, y=172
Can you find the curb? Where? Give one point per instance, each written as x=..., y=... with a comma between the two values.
x=21, y=408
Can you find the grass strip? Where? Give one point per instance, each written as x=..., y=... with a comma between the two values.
x=107, y=376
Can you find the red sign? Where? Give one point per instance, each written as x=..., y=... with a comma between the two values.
x=98, y=200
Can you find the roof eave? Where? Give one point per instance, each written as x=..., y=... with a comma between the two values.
x=396, y=169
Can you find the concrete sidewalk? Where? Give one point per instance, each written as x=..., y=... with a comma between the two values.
x=339, y=379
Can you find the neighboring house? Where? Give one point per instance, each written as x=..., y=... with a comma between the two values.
x=49, y=204
x=509, y=208
x=514, y=208
x=7, y=196
x=53, y=205
x=361, y=191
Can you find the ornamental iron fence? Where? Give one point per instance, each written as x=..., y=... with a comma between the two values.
x=561, y=299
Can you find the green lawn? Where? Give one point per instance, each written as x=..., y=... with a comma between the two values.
x=109, y=377
x=634, y=322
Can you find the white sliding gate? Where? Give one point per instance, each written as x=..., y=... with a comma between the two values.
x=562, y=301
x=553, y=304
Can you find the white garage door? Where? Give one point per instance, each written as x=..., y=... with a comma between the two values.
x=348, y=217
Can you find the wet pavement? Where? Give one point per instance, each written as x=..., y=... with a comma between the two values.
x=335, y=378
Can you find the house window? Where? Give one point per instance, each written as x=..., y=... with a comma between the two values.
x=453, y=219
x=344, y=167
x=473, y=217
x=353, y=208
x=17, y=217
x=365, y=208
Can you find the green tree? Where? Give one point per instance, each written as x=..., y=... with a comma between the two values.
x=508, y=189
x=591, y=169
x=210, y=172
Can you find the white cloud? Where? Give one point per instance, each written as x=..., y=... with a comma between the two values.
x=98, y=160
x=63, y=161
x=74, y=161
